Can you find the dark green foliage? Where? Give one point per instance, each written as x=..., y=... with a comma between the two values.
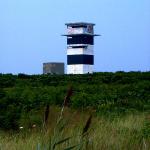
x=23, y=76
x=105, y=91
x=10, y=113
x=2, y=93
x=7, y=80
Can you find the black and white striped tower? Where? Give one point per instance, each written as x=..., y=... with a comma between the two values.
x=80, y=47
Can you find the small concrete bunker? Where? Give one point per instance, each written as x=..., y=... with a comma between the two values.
x=53, y=68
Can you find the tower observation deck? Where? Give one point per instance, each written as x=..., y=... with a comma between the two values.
x=80, y=47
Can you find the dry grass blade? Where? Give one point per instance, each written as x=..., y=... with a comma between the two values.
x=66, y=101
x=70, y=148
x=46, y=115
x=61, y=142
x=68, y=96
x=87, y=125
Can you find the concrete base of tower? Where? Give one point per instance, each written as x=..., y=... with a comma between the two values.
x=79, y=69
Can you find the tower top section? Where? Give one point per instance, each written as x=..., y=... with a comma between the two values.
x=78, y=24
x=80, y=28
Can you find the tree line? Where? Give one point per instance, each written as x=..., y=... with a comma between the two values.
x=105, y=91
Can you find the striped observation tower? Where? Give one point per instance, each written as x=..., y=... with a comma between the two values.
x=80, y=47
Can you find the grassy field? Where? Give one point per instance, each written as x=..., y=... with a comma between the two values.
x=102, y=111
x=119, y=132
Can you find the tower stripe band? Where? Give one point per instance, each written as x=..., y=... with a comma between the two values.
x=80, y=59
x=80, y=39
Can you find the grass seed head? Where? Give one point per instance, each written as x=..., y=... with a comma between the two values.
x=87, y=125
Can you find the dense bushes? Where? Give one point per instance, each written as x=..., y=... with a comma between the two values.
x=101, y=91
x=10, y=111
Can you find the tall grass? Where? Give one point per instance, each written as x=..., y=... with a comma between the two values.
x=125, y=132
